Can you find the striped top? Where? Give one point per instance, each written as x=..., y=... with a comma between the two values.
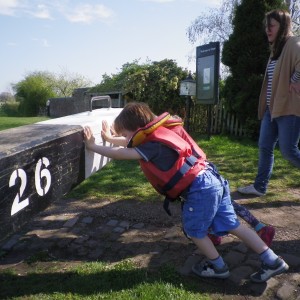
x=295, y=77
x=270, y=72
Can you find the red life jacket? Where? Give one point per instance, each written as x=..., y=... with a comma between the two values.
x=191, y=159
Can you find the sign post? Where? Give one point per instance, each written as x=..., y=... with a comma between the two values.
x=207, y=76
x=188, y=89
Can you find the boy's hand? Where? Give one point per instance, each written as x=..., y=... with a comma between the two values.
x=89, y=138
x=105, y=132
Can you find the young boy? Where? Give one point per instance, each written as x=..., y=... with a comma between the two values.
x=175, y=166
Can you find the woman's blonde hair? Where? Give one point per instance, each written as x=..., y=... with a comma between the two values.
x=133, y=116
x=285, y=26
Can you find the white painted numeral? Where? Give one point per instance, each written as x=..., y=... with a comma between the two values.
x=17, y=204
x=40, y=174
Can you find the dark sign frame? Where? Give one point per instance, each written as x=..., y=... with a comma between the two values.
x=207, y=73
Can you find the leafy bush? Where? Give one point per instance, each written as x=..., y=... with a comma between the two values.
x=10, y=109
x=156, y=83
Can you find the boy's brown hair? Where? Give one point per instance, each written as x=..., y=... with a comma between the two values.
x=133, y=116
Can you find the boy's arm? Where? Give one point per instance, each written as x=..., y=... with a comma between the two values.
x=112, y=152
x=106, y=135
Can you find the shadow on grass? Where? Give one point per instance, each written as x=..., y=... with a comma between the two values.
x=263, y=204
x=69, y=282
x=114, y=281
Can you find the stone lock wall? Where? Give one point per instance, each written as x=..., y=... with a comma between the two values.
x=80, y=102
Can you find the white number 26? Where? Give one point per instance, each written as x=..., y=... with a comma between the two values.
x=40, y=175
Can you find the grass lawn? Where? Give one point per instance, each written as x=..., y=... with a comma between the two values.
x=11, y=122
x=236, y=160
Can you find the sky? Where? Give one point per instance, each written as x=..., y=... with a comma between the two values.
x=93, y=37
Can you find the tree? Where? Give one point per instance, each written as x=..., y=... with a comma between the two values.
x=246, y=53
x=216, y=23
x=294, y=6
x=117, y=82
x=163, y=87
x=6, y=97
x=8, y=104
x=156, y=83
x=64, y=83
x=33, y=92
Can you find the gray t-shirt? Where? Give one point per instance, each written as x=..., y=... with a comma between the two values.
x=162, y=156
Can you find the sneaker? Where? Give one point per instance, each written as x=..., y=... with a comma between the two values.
x=266, y=272
x=215, y=239
x=250, y=190
x=267, y=234
x=208, y=270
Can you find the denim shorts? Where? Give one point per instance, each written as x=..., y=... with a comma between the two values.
x=207, y=207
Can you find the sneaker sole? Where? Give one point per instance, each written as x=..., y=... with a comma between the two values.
x=219, y=276
x=284, y=268
x=252, y=194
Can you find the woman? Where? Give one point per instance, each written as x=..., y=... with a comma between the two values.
x=279, y=101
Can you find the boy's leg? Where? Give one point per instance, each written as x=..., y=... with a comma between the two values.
x=199, y=210
x=206, y=247
x=215, y=266
x=271, y=264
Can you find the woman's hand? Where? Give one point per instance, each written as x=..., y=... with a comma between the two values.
x=89, y=138
x=295, y=87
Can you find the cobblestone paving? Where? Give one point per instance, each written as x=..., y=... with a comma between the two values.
x=70, y=232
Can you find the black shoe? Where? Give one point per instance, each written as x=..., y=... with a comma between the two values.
x=209, y=270
x=266, y=271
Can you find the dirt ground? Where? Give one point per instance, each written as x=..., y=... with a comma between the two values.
x=159, y=239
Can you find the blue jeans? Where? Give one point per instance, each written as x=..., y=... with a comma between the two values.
x=286, y=131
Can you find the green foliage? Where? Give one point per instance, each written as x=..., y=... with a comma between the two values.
x=116, y=82
x=162, y=87
x=33, y=93
x=98, y=280
x=246, y=53
x=156, y=83
x=10, y=108
x=36, y=88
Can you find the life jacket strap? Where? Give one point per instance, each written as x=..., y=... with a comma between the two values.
x=188, y=164
x=166, y=206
